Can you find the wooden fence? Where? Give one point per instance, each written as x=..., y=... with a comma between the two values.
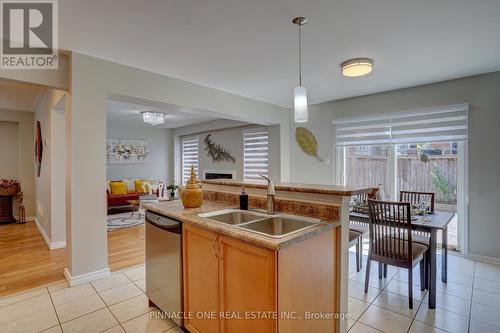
x=367, y=171
x=413, y=174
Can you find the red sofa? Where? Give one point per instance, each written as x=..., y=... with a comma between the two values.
x=117, y=200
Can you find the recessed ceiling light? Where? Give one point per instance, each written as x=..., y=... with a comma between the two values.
x=357, y=67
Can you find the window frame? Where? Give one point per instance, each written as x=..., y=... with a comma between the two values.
x=248, y=132
x=189, y=140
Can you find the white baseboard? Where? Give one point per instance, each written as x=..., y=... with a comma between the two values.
x=42, y=232
x=57, y=245
x=50, y=245
x=478, y=257
x=27, y=218
x=87, y=277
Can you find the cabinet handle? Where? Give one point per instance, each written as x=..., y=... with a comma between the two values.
x=213, y=246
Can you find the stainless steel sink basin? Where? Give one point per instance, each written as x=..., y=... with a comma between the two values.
x=233, y=216
x=280, y=226
x=275, y=226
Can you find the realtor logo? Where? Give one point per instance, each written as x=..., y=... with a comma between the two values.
x=29, y=34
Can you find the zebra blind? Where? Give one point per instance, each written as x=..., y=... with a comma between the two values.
x=255, y=153
x=425, y=126
x=190, y=157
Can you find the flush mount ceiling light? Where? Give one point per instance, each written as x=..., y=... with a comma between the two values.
x=153, y=118
x=357, y=67
x=300, y=92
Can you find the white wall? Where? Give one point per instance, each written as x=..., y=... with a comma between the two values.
x=56, y=78
x=9, y=148
x=93, y=81
x=26, y=165
x=58, y=179
x=305, y=168
x=275, y=153
x=50, y=185
x=158, y=139
x=481, y=92
x=232, y=140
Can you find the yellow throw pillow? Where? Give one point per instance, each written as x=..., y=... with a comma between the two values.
x=139, y=186
x=118, y=187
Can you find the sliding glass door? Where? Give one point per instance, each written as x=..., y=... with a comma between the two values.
x=421, y=151
x=368, y=166
x=431, y=167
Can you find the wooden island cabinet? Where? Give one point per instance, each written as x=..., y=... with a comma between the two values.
x=239, y=281
x=234, y=286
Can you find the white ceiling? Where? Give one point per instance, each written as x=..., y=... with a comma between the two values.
x=131, y=112
x=250, y=47
x=19, y=96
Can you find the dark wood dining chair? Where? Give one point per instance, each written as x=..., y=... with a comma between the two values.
x=391, y=241
x=361, y=227
x=421, y=237
x=355, y=240
x=414, y=197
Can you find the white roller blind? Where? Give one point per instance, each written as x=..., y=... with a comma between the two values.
x=430, y=125
x=190, y=157
x=255, y=153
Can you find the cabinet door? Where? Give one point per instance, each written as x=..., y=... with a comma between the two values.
x=200, y=276
x=247, y=287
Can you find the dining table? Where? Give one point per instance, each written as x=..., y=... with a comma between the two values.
x=433, y=222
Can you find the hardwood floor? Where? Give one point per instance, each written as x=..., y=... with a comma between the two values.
x=126, y=247
x=26, y=262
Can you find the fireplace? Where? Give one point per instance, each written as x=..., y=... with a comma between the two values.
x=219, y=174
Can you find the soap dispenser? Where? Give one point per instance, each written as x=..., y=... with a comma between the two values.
x=243, y=199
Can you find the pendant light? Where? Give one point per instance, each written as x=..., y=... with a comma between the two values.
x=300, y=92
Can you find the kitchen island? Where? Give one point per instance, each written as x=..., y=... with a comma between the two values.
x=238, y=280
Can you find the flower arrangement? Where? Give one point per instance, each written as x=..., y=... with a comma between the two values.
x=9, y=187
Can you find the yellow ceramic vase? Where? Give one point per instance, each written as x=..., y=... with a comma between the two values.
x=192, y=195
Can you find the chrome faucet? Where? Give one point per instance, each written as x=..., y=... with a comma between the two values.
x=271, y=193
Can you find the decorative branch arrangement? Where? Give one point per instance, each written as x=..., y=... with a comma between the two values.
x=216, y=152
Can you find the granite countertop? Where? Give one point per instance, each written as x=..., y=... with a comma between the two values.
x=295, y=187
x=175, y=210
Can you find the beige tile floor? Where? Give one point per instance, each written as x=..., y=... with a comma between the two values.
x=469, y=302
x=114, y=304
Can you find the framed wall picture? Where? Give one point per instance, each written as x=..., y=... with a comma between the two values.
x=127, y=151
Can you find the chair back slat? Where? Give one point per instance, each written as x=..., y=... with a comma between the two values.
x=414, y=198
x=364, y=197
x=390, y=229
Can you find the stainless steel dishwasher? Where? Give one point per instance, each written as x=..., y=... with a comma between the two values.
x=164, y=264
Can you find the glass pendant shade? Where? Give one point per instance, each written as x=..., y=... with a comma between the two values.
x=153, y=118
x=300, y=104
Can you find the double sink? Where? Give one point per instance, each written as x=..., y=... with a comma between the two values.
x=275, y=226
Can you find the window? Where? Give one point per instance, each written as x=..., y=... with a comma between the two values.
x=190, y=157
x=255, y=153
